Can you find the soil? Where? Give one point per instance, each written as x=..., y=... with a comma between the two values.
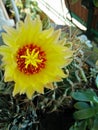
x=57, y=120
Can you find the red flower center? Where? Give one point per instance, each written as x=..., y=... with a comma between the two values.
x=30, y=59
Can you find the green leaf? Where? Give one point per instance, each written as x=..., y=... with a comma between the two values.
x=14, y=128
x=95, y=126
x=84, y=114
x=79, y=125
x=95, y=2
x=96, y=81
x=82, y=125
x=34, y=3
x=74, y=128
x=86, y=95
x=95, y=99
x=81, y=105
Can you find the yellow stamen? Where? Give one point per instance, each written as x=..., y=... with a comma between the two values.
x=32, y=58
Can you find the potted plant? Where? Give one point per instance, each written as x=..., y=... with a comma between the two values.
x=54, y=108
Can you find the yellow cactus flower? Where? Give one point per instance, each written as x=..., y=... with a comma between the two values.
x=33, y=57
